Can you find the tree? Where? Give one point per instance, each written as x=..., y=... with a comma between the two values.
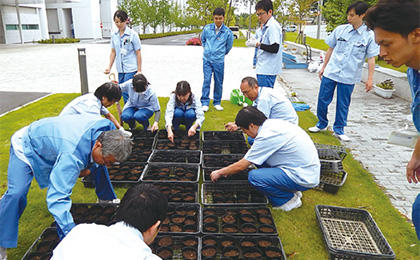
x=202, y=10
x=299, y=10
x=140, y=12
x=164, y=13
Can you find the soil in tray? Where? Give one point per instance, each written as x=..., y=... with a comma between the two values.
x=175, y=173
x=139, y=156
x=220, y=161
x=89, y=213
x=176, y=157
x=241, y=176
x=175, y=247
x=183, y=218
x=178, y=144
x=225, y=148
x=218, y=197
x=143, y=144
x=125, y=172
x=140, y=133
x=179, y=134
x=179, y=192
x=222, y=135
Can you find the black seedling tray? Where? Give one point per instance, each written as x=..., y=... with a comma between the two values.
x=182, y=218
x=170, y=172
x=178, y=192
x=231, y=194
x=341, y=150
x=124, y=174
x=98, y=213
x=176, y=156
x=241, y=247
x=241, y=176
x=225, y=147
x=139, y=156
x=327, y=154
x=143, y=144
x=179, y=134
x=178, y=144
x=238, y=221
x=137, y=133
x=220, y=160
x=43, y=246
x=223, y=135
x=331, y=165
x=351, y=233
x=174, y=247
x=331, y=181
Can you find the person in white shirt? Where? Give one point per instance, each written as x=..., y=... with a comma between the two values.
x=142, y=210
x=286, y=156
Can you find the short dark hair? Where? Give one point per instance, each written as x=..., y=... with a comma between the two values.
x=252, y=82
x=398, y=16
x=265, y=5
x=140, y=83
x=359, y=7
x=249, y=115
x=109, y=90
x=121, y=15
x=219, y=11
x=141, y=206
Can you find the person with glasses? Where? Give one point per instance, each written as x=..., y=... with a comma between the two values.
x=269, y=53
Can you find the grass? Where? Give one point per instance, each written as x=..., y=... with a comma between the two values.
x=297, y=229
x=239, y=42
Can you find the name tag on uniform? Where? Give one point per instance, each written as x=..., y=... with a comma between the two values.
x=123, y=51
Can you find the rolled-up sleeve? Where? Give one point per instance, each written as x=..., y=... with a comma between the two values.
x=331, y=40
x=372, y=48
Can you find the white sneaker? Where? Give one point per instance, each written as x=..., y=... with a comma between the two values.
x=3, y=253
x=299, y=194
x=205, y=108
x=315, y=129
x=293, y=203
x=114, y=201
x=218, y=107
x=342, y=137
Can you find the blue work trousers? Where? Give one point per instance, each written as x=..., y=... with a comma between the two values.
x=218, y=70
x=415, y=215
x=123, y=77
x=325, y=96
x=266, y=80
x=275, y=184
x=185, y=117
x=132, y=114
x=103, y=186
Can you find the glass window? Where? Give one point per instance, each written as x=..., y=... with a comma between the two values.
x=30, y=26
x=11, y=27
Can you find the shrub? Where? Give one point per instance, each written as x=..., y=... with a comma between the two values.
x=194, y=41
x=387, y=84
x=159, y=35
x=60, y=40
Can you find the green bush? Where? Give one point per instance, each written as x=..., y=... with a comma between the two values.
x=62, y=40
x=159, y=35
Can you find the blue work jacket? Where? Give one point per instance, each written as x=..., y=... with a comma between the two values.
x=216, y=46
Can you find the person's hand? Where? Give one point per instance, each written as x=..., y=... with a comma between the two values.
x=413, y=170
x=125, y=132
x=320, y=73
x=170, y=135
x=107, y=71
x=368, y=85
x=191, y=131
x=231, y=126
x=84, y=173
x=138, y=72
x=155, y=126
x=251, y=42
x=215, y=175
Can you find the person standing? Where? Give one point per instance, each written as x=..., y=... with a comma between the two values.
x=396, y=25
x=349, y=45
x=217, y=41
x=269, y=45
x=125, y=49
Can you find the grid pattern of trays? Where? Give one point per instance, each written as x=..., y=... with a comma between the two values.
x=180, y=134
x=143, y=144
x=165, y=172
x=220, y=247
x=351, y=234
x=331, y=181
x=220, y=160
x=220, y=147
x=341, y=150
x=94, y=213
x=241, y=176
x=165, y=156
x=139, y=156
x=222, y=136
x=238, y=220
x=43, y=246
x=177, y=247
x=178, y=192
x=331, y=165
x=182, y=218
x=231, y=194
x=178, y=144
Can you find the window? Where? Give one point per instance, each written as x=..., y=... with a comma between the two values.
x=30, y=26
x=11, y=27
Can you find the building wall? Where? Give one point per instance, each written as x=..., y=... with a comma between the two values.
x=30, y=24
x=2, y=36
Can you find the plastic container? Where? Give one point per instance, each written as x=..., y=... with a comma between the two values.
x=351, y=233
x=176, y=156
x=143, y=144
x=220, y=160
x=240, y=176
x=231, y=194
x=341, y=150
x=171, y=172
x=179, y=219
x=178, y=144
x=331, y=181
x=225, y=147
x=179, y=192
x=177, y=246
x=223, y=136
x=43, y=246
x=137, y=133
x=139, y=156
x=179, y=134
x=331, y=165
x=98, y=213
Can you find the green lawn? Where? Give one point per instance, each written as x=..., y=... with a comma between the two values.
x=297, y=229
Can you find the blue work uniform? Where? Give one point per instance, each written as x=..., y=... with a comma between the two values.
x=125, y=47
x=414, y=81
x=53, y=150
x=217, y=42
x=344, y=69
x=90, y=104
x=288, y=159
x=178, y=113
x=269, y=64
x=140, y=106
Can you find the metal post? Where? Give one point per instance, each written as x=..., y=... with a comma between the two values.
x=19, y=21
x=83, y=70
x=249, y=24
x=319, y=19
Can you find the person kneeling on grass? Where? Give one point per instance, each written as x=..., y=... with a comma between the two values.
x=285, y=155
x=183, y=108
x=141, y=104
x=142, y=210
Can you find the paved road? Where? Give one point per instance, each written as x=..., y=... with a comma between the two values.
x=12, y=100
x=179, y=40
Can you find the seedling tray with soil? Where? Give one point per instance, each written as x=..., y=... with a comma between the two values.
x=231, y=194
x=176, y=156
x=225, y=147
x=182, y=218
x=139, y=156
x=351, y=233
x=331, y=181
x=220, y=247
x=178, y=144
x=179, y=192
x=241, y=176
x=341, y=150
x=238, y=221
x=43, y=246
x=177, y=247
x=137, y=133
x=98, y=213
x=223, y=136
x=179, y=134
x=328, y=154
x=331, y=165
x=220, y=160
x=169, y=172
x=124, y=174
x=143, y=144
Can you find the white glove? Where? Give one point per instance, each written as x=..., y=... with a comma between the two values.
x=251, y=42
x=124, y=132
